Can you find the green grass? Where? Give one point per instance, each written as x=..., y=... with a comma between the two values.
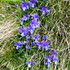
x=55, y=24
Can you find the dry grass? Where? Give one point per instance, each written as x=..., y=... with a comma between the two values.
x=8, y=24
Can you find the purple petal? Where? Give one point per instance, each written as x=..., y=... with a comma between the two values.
x=28, y=62
x=27, y=47
x=34, y=63
x=33, y=1
x=37, y=37
x=45, y=36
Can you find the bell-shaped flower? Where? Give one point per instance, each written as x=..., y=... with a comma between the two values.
x=34, y=16
x=44, y=10
x=33, y=2
x=25, y=5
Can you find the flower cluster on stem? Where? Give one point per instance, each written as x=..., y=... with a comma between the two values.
x=28, y=31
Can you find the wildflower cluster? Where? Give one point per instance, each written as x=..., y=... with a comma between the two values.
x=52, y=57
x=25, y=5
x=28, y=31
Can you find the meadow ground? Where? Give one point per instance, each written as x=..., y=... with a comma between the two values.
x=57, y=26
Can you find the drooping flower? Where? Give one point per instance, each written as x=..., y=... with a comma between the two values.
x=27, y=47
x=33, y=2
x=32, y=42
x=21, y=22
x=39, y=45
x=36, y=23
x=27, y=36
x=55, y=57
x=29, y=64
x=25, y=17
x=49, y=57
x=48, y=60
x=35, y=16
x=31, y=28
x=54, y=52
x=25, y=5
x=45, y=37
x=36, y=37
x=18, y=44
x=27, y=41
x=43, y=44
x=48, y=63
x=44, y=10
x=23, y=31
x=47, y=45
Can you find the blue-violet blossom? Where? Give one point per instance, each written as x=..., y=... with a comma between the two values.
x=44, y=10
x=33, y=2
x=25, y=5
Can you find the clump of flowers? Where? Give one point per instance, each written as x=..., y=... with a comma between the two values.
x=27, y=32
x=26, y=5
x=52, y=57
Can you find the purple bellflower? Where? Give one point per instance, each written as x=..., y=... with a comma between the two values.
x=31, y=28
x=55, y=57
x=48, y=63
x=48, y=60
x=21, y=22
x=27, y=47
x=45, y=37
x=25, y=5
x=36, y=23
x=32, y=42
x=36, y=38
x=35, y=16
x=23, y=31
x=27, y=36
x=24, y=18
x=27, y=41
x=29, y=64
x=33, y=2
x=18, y=44
x=47, y=45
x=44, y=10
x=43, y=44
